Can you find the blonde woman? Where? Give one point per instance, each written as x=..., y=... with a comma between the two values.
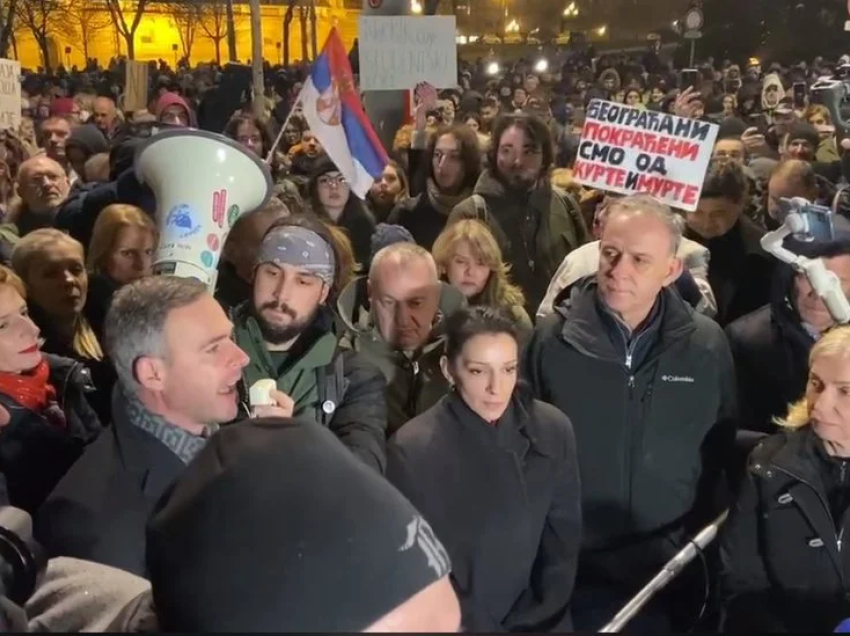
x=783, y=547
x=45, y=419
x=52, y=266
x=122, y=246
x=468, y=257
x=818, y=116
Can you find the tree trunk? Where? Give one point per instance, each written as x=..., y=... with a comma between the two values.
x=86, y=49
x=6, y=37
x=130, y=39
x=231, y=33
x=287, y=25
x=14, y=45
x=302, y=16
x=218, y=51
x=313, y=36
x=45, y=53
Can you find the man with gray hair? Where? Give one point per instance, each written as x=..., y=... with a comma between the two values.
x=649, y=386
x=289, y=333
x=392, y=318
x=178, y=368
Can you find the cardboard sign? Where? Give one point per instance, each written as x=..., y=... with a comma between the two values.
x=630, y=151
x=10, y=94
x=136, y=92
x=396, y=53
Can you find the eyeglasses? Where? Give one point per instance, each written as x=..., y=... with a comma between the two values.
x=328, y=182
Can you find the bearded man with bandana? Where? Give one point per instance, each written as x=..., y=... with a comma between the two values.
x=287, y=329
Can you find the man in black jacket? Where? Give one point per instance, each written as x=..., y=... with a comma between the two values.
x=771, y=345
x=178, y=368
x=649, y=387
x=287, y=330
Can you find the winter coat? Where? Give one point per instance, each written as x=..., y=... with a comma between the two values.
x=651, y=433
x=99, y=511
x=413, y=383
x=785, y=562
x=505, y=502
x=535, y=230
x=740, y=272
x=338, y=389
x=770, y=348
x=36, y=453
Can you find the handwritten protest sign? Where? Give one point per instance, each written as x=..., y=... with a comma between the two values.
x=10, y=94
x=136, y=83
x=396, y=53
x=628, y=150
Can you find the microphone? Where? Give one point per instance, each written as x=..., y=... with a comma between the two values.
x=670, y=571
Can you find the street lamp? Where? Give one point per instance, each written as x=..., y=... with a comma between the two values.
x=415, y=7
x=571, y=10
x=601, y=31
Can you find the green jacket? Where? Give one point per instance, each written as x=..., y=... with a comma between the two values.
x=299, y=378
x=336, y=388
x=414, y=383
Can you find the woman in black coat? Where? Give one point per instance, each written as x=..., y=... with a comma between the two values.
x=784, y=553
x=45, y=419
x=333, y=201
x=496, y=475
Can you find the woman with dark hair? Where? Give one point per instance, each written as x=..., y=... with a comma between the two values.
x=495, y=473
x=388, y=191
x=452, y=164
x=333, y=202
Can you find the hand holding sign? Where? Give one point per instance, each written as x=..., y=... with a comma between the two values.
x=424, y=99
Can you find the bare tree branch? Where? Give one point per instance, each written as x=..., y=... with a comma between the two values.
x=120, y=22
x=85, y=18
x=41, y=17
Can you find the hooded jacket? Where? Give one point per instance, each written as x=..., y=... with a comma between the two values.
x=535, y=230
x=651, y=434
x=88, y=139
x=173, y=99
x=414, y=383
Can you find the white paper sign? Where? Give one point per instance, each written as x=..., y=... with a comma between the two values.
x=629, y=150
x=396, y=53
x=10, y=94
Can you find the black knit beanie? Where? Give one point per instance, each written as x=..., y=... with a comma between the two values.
x=276, y=526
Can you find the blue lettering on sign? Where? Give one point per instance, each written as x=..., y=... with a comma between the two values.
x=180, y=224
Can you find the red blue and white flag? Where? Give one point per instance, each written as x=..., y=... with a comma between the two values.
x=332, y=108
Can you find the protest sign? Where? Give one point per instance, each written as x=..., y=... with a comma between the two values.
x=136, y=83
x=628, y=150
x=10, y=94
x=396, y=53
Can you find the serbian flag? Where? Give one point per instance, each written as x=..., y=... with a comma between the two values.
x=332, y=109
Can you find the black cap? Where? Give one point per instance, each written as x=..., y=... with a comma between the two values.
x=276, y=526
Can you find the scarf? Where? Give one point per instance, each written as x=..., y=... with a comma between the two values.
x=32, y=389
x=178, y=440
x=444, y=203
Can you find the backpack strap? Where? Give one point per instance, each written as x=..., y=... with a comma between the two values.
x=332, y=385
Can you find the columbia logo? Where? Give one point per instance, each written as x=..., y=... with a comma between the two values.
x=678, y=378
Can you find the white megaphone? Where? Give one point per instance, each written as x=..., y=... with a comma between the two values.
x=203, y=182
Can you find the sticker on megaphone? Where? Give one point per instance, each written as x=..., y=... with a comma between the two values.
x=190, y=243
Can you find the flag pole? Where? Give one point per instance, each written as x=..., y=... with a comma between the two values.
x=276, y=143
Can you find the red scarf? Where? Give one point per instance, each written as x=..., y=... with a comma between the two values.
x=30, y=389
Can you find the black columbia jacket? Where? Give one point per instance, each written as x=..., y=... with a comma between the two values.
x=653, y=427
